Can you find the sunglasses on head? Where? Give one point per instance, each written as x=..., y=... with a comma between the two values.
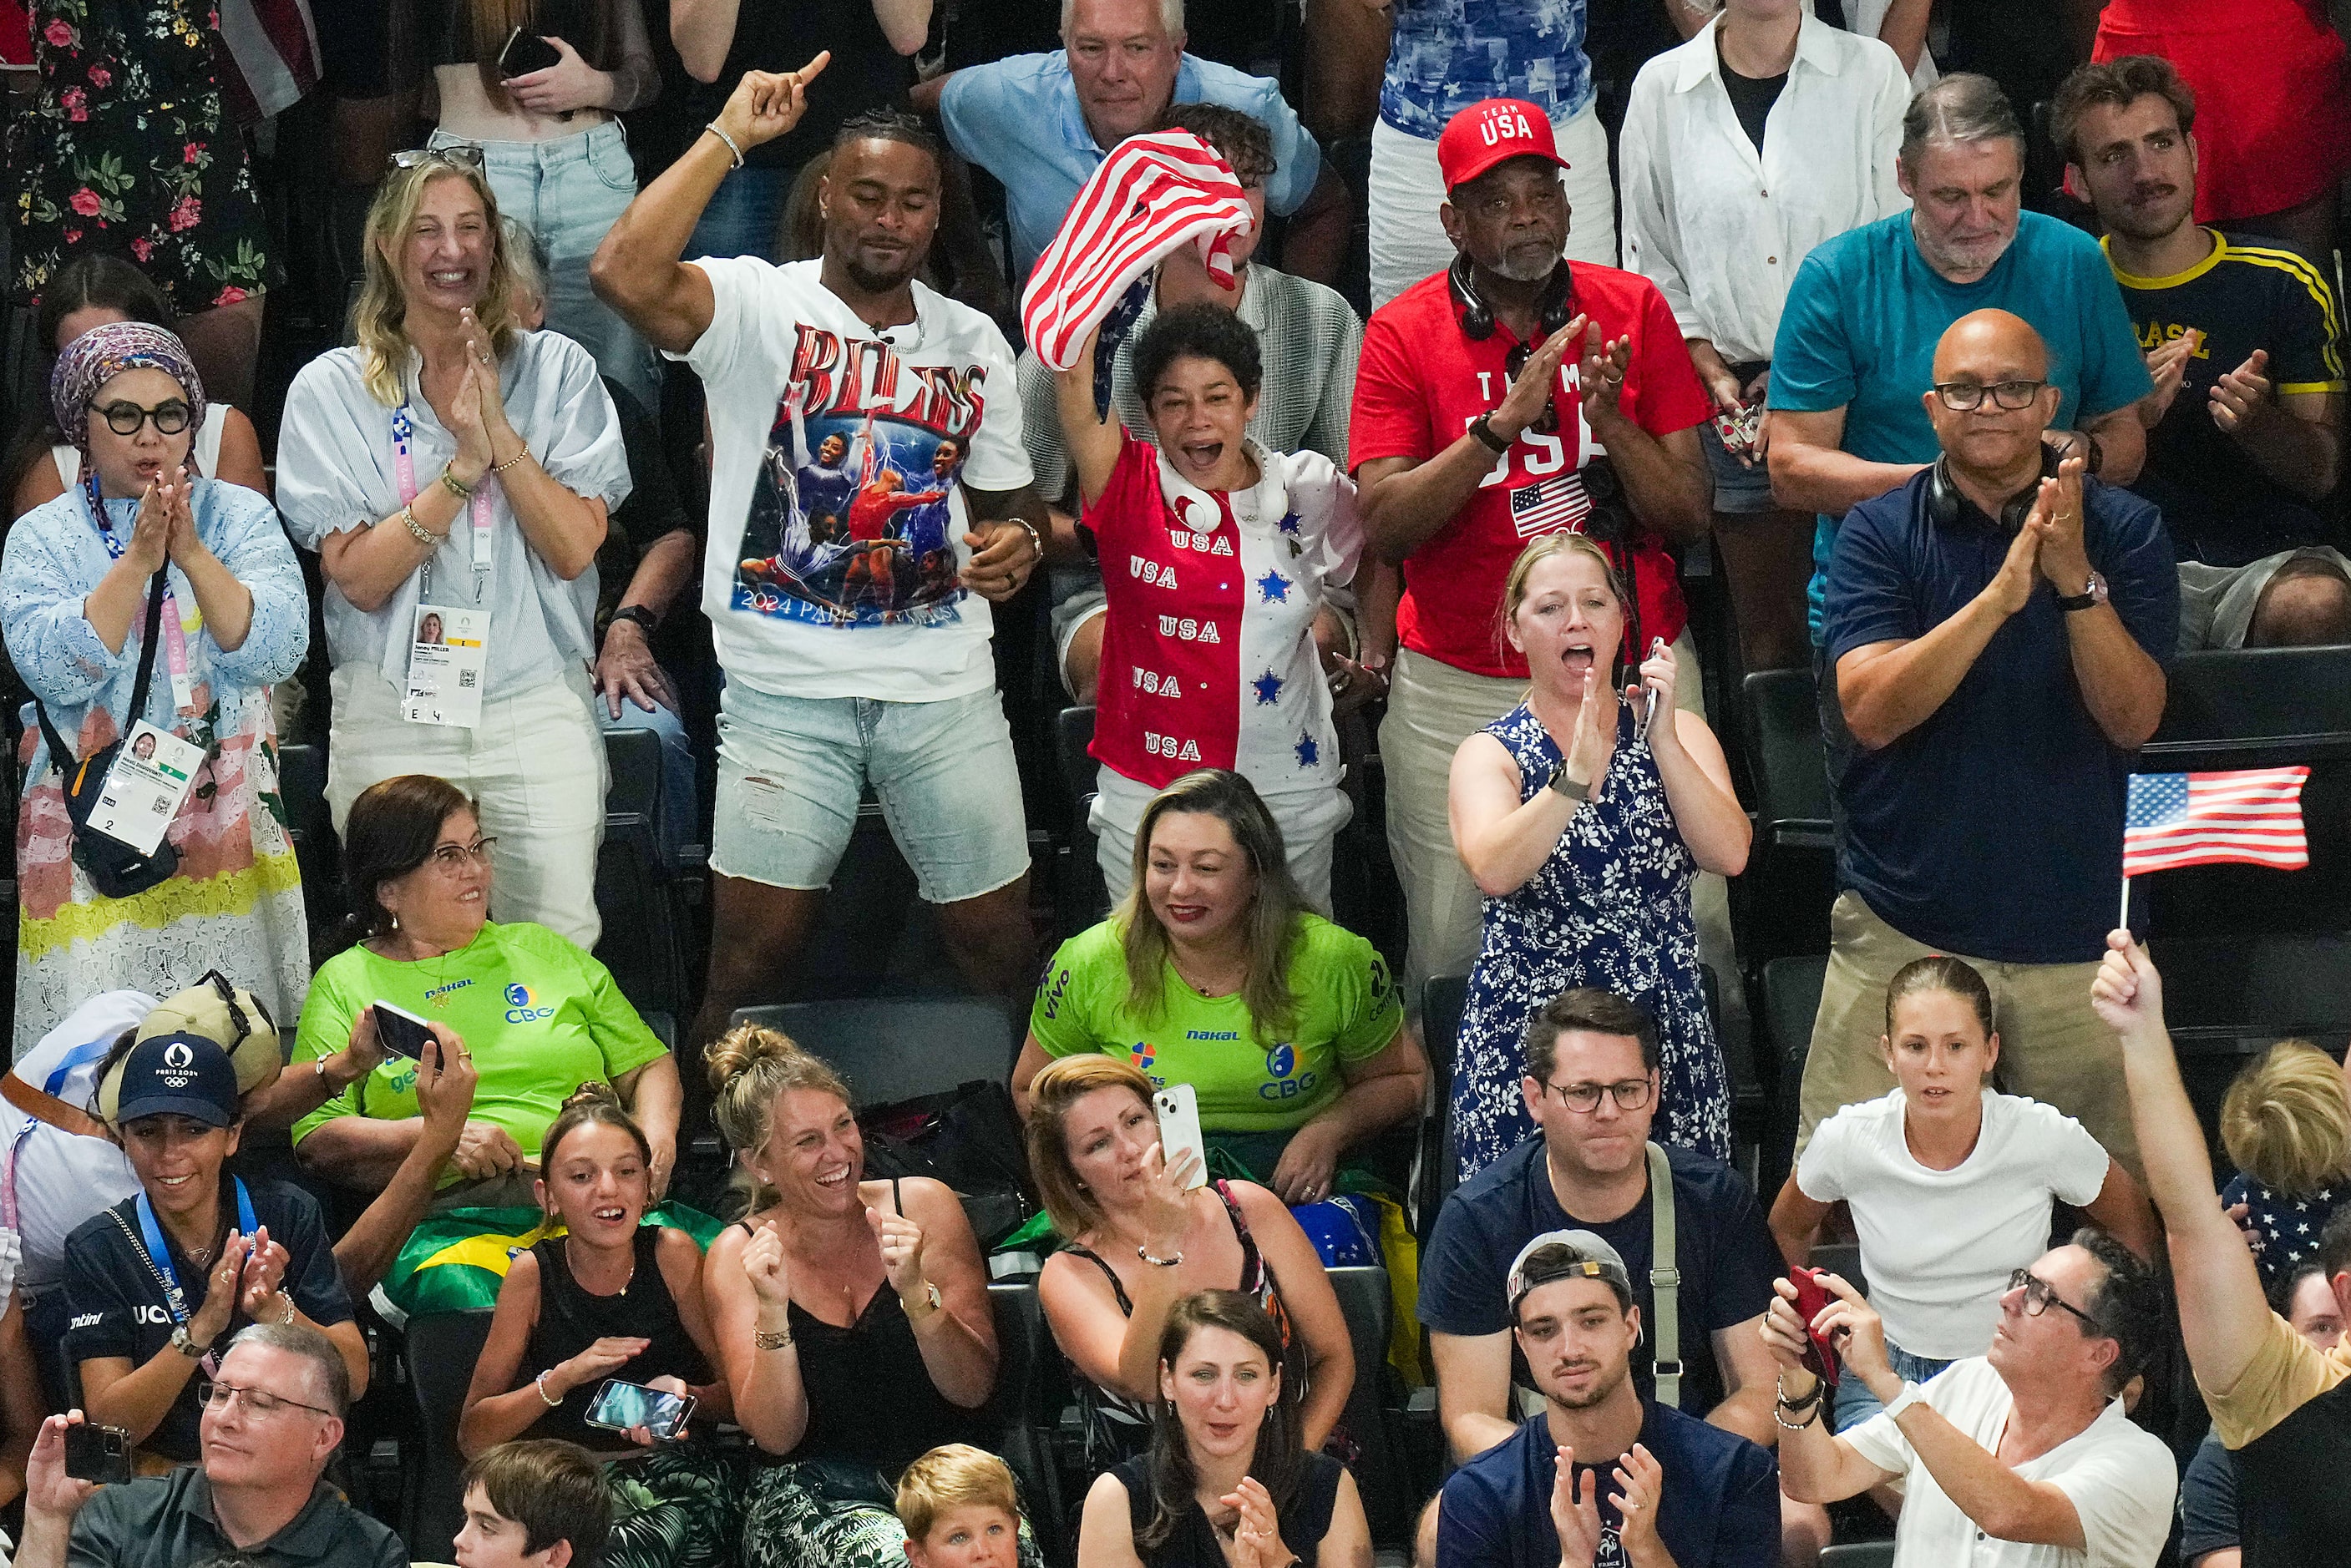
x=457, y=155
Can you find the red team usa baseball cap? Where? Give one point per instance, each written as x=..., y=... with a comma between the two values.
x=1488, y=131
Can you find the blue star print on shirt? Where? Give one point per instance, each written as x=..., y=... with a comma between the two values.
x=1269, y=688
x=1275, y=588
x=1288, y=524
x=1309, y=753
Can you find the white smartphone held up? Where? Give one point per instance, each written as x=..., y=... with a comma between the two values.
x=620, y=1405
x=1178, y=1106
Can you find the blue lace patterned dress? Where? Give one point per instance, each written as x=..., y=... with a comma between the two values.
x=1611, y=907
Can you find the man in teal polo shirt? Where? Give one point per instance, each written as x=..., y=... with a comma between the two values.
x=1857, y=338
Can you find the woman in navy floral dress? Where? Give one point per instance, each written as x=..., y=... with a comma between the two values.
x=130, y=150
x=1585, y=852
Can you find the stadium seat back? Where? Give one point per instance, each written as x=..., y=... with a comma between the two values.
x=442, y=1350
x=897, y=1048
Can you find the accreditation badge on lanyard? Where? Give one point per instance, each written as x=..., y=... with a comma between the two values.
x=449, y=644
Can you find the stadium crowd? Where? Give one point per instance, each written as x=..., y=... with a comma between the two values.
x=1288, y=518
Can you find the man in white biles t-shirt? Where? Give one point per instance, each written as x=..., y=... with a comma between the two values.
x=2019, y=1458
x=869, y=496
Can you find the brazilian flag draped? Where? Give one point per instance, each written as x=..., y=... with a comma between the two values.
x=455, y=1262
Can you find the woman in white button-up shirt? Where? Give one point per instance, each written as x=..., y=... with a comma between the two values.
x=455, y=466
x=1720, y=223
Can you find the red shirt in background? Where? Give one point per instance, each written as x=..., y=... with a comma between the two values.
x=1421, y=382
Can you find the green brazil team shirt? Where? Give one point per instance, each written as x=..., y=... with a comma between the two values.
x=540, y=1016
x=1348, y=1011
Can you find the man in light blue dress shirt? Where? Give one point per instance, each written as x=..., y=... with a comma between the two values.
x=1042, y=123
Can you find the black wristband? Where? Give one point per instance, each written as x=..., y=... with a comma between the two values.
x=1482, y=427
x=644, y=617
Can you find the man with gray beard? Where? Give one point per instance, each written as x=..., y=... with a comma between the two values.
x=1513, y=394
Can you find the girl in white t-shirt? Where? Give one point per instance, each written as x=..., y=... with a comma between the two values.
x=1950, y=1183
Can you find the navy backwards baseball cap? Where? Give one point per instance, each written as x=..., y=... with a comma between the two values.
x=178, y=1074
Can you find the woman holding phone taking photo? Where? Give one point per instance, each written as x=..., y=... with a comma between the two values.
x=1140, y=1232
x=1583, y=814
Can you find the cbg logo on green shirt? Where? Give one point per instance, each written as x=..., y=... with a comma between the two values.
x=1279, y=1062
x=522, y=1005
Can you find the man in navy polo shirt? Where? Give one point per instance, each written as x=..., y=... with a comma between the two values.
x=1601, y=1478
x=1996, y=629
x=1591, y=1169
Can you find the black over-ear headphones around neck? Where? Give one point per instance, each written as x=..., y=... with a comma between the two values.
x=1944, y=499
x=1553, y=311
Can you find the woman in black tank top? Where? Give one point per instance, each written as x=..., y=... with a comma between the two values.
x=1224, y=1483
x=851, y=1316
x=611, y=1298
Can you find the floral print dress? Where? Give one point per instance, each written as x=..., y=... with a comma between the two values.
x=132, y=151
x=1611, y=907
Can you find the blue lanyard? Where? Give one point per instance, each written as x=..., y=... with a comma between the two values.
x=75, y=1058
x=160, y=1255
x=98, y=512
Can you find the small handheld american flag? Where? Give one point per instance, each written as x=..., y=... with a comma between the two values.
x=2249, y=815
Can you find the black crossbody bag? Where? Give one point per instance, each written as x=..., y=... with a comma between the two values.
x=115, y=869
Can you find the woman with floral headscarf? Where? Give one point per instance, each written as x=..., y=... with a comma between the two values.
x=75, y=580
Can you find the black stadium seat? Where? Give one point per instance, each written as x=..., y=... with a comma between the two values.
x=1791, y=998
x=1441, y=1001
x=442, y=1350
x=894, y=1049
x=1030, y=1390
x=1380, y=1472
x=643, y=943
x=1784, y=895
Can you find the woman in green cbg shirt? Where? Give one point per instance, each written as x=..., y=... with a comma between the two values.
x=538, y=1015
x=1213, y=972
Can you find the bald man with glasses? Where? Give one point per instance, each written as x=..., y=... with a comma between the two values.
x=1995, y=631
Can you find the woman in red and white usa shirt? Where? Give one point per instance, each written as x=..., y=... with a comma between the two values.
x=1215, y=555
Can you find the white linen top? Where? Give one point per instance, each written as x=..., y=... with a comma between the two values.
x=335, y=471
x=1719, y=229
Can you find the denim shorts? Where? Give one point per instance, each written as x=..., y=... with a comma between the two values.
x=1738, y=489
x=792, y=771
x=1855, y=1402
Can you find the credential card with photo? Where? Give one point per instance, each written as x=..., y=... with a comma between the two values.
x=448, y=657
x=145, y=787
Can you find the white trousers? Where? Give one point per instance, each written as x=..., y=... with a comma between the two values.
x=535, y=762
x=1407, y=188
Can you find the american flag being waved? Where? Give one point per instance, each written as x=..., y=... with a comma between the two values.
x=2250, y=815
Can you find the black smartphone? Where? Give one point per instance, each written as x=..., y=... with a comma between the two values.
x=100, y=1454
x=524, y=53
x=400, y=1032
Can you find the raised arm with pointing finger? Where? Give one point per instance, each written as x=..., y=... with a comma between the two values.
x=637, y=271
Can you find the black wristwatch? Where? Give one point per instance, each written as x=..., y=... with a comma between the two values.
x=1482, y=427
x=645, y=619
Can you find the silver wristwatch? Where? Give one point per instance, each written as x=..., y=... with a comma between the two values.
x=184, y=1344
x=1565, y=785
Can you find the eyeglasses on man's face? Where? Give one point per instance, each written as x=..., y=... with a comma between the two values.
x=2040, y=1295
x=124, y=419
x=1630, y=1095
x=258, y=1402
x=1966, y=397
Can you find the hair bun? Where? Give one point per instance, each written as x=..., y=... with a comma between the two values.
x=743, y=1047
x=595, y=1091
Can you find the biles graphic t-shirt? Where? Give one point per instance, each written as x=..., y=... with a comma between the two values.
x=1208, y=656
x=837, y=517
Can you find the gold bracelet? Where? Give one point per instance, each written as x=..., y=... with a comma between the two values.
x=502, y=467
x=456, y=486
x=418, y=531
x=771, y=1338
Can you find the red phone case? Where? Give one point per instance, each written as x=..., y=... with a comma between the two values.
x=1820, y=1357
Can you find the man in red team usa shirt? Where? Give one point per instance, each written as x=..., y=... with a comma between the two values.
x=1512, y=394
